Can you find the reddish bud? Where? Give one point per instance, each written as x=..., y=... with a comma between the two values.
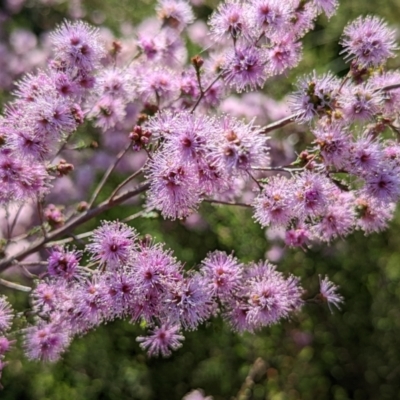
x=197, y=62
x=54, y=216
x=64, y=168
x=82, y=206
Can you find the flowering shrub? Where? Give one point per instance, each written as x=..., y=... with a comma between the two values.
x=168, y=125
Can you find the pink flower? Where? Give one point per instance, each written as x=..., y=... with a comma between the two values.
x=284, y=54
x=328, y=293
x=63, y=264
x=315, y=96
x=222, y=273
x=161, y=340
x=270, y=16
x=113, y=244
x=270, y=296
x=174, y=188
x=45, y=342
x=368, y=41
x=245, y=68
x=6, y=314
x=175, y=14
x=77, y=45
x=230, y=21
x=360, y=103
x=273, y=206
x=326, y=6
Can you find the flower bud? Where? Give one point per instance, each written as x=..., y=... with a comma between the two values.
x=64, y=168
x=54, y=216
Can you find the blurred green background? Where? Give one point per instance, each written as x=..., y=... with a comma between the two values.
x=350, y=354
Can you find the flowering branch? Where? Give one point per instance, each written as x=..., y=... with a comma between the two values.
x=195, y=157
x=72, y=224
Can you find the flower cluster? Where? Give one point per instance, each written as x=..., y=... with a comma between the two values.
x=369, y=41
x=141, y=281
x=189, y=141
x=199, y=156
x=265, y=35
x=47, y=109
x=6, y=317
x=350, y=178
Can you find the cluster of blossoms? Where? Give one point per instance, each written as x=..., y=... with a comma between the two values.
x=47, y=109
x=265, y=36
x=200, y=156
x=140, y=280
x=6, y=316
x=167, y=112
x=351, y=177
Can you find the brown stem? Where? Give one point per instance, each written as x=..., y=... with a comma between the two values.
x=280, y=169
x=69, y=239
x=254, y=180
x=391, y=87
x=280, y=124
x=40, y=213
x=227, y=203
x=14, y=221
x=203, y=92
x=13, y=285
x=72, y=224
x=127, y=180
x=108, y=173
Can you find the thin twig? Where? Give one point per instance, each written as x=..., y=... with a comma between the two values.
x=284, y=169
x=31, y=232
x=203, y=92
x=108, y=173
x=13, y=285
x=31, y=263
x=198, y=76
x=28, y=273
x=254, y=179
x=134, y=216
x=40, y=213
x=15, y=221
x=346, y=78
x=127, y=180
x=227, y=203
x=69, y=239
x=391, y=87
x=281, y=123
x=72, y=224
